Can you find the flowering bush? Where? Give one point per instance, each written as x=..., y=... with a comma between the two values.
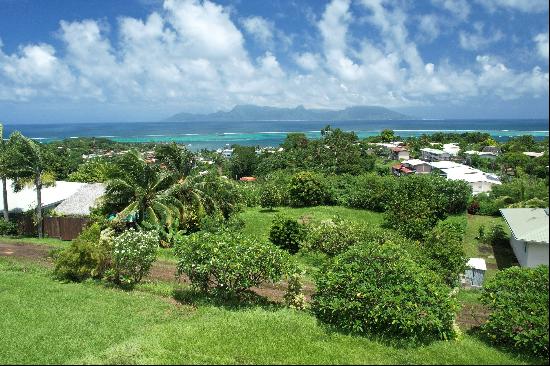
x=229, y=262
x=333, y=237
x=133, y=253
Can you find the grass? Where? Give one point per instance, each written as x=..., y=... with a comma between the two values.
x=46, y=321
x=53, y=242
x=258, y=220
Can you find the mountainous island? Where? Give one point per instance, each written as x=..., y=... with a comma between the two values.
x=258, y=113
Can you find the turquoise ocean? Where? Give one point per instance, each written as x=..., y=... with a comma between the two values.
x=213, y=135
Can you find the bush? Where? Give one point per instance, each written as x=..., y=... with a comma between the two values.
x=308, y=189
x=444, y=250
x=379, y=289
x=83, y=259
x=230, y=263
x=333, y=237
x=294, y=297
x=270, y=196
x=518, y=298
x=133, y=254
x=287, y=233
x=8, y=227
x=496, y=235
x=372, y=192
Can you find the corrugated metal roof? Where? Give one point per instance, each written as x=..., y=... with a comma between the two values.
x=528, y=224
x=81, y=202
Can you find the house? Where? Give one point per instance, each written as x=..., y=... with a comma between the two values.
x=452, y=148
x=475, y=272
x=482, y=154
x=418, y=166
x=429, y=154
x=400, y=169
x=82, y=201
x=399, y=153
x=533, y=154
x=477, y=179
x=529, y=240
x=492, y=149
x=25, y=199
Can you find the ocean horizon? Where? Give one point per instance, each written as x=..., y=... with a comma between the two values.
x=213, y=135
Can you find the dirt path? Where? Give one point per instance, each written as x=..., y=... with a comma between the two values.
x=160, y=271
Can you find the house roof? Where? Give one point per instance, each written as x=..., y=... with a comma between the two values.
x=527, y=224
x=533, y=154
x=414, y=162
x=477, y=263
x=434, y=151
x=25, y=199
x=82, y=201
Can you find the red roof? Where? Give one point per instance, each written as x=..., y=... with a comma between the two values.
x=247, y=179
x=406, y=170
x=397, y=166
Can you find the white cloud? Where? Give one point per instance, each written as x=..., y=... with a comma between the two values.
x=260, y=29
x=192, y=54
x=528, y=6
x=541, y=40
x=458, y=8
x=478, y=39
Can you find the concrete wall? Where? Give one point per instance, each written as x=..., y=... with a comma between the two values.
x=529, y=254
x=519, y=250
x=537, y=253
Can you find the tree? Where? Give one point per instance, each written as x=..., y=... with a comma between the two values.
x=387, y=135
x=25, y=163
x=243, y=161
x=179, y=161
x=141, y=190
x=3, y=174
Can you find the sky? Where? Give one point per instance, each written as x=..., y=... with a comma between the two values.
x=144, y=60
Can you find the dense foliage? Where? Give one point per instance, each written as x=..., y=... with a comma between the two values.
x=518, y=298
x=380, y=289
x=287, y=233
x=229, y=262
x=308, y=189
x=444, y=250
x=333, y=237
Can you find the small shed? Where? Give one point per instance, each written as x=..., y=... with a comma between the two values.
x=475, y=272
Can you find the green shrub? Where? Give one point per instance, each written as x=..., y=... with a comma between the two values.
x=380, y=289
x=294, y=297
x=372, y=192
x=270, y=196
x=287, y=233
x=250, y=193
x=133, y=254
x=444, y=250
x=83, y=259
x=308, y=189
x=8, y=227
x=230, y=262
x=333, y=237
x=518, y=298
x=496, y=235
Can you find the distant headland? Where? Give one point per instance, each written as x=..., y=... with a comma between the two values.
x=300, y=113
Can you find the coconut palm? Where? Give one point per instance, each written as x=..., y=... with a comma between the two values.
x=141, y=190
x=25, y=164
x=3, y=173
x=177, y=160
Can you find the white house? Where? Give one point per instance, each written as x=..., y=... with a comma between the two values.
x=529, y=227
x=482, y=154
x=25, y=199
x=430, y=154
x=533, y=154
x=419, y=166
x=478, y=180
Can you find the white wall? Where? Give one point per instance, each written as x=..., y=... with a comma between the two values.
x=519, y=250
x=537, y=253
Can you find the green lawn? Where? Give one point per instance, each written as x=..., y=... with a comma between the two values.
x=53, y=242
x=46, y=321
x=258, y=220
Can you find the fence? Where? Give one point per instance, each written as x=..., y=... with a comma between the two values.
x=64, y=228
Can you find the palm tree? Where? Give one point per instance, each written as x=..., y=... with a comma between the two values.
x=142, y=190
x=3, y=173
x=24, y=163
x=179, y=161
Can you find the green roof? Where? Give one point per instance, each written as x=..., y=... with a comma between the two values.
x=527, y=224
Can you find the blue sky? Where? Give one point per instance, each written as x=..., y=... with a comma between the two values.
x=143, y=60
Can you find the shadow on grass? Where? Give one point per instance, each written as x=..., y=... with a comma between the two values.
x=267, y=210
x=246, y=300
x=504, y=255
x=477, y=332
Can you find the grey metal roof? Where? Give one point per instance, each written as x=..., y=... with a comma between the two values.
x=528, y=224
x=82, y=201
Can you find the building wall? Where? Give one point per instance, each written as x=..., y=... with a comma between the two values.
x=423, y=168
x=519, y=250
x=537, y=253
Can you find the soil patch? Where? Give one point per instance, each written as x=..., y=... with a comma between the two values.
x=472, y=315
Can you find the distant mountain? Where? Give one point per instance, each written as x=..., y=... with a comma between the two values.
x=257, y=113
